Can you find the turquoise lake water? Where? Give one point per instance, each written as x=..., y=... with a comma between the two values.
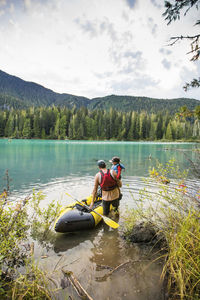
x=37, y=163
x=57, y=167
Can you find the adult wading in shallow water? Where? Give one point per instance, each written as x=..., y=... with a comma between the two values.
x=107, y=180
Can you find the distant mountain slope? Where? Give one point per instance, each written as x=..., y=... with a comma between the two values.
x=7, y=102
x=33, y=94
x=18, y=93
x=127, y=103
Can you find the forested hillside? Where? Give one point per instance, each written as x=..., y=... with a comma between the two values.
x=127, y=103
x=17, y=93
x=62, y=123
x=32, y=94
x=8, y=102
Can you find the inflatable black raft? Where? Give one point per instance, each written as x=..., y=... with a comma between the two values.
x=76, y=216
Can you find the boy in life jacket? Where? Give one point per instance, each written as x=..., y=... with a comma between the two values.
x=117, y=166
x=107, y=180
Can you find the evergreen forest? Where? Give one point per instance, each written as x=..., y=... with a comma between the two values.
x=82, y=124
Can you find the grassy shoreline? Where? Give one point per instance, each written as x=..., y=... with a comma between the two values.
x=175, y=218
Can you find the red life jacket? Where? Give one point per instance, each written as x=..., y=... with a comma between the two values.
x=108, y=183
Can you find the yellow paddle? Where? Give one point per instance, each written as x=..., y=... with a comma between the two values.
x=107, y=220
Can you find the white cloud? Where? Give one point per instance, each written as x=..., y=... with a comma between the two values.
x=27, y=4
x=2, y=3
x=12, y=8
x=96, y=48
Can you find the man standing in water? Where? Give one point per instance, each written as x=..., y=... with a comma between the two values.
x=107, y=180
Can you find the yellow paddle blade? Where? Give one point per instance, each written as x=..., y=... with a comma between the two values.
x=110, y=222
x=69, y=195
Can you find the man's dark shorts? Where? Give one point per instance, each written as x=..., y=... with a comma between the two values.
x=106, y=206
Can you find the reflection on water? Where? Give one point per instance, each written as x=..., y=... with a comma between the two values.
x=64, y=242
x=106, y=266
x=92, y=254
x=134, y=280
x=57, y=167
x=34, y=163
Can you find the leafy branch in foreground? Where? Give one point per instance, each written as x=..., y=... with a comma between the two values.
x=42, y=218
x=195, y=83
x=184, y=112
x=173, y=13
x=175, y=215
x=173, y=10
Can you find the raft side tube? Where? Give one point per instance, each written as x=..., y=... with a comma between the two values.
x=96, y=217
x=64, y=210
x=74, y=220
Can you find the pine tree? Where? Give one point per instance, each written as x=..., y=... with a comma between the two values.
x=143, y=126
x=9, y=129
x=159, y=131
x=43, y=134
x=169, y=132
x=62, y=125
x=2, y=123
x=26, y=133
x=36, y=126
x=196, y=129
x=57, y=127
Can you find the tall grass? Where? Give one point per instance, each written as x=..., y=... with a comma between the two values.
x=33, y=284
x=183, y=258
x=174, y=211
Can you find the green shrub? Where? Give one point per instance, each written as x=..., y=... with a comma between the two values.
x=17, y=222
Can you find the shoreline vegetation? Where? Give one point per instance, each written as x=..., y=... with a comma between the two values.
x=111, y=140
x=61, y=123
x=171, y=226
x=22, y=222
x=172, y=222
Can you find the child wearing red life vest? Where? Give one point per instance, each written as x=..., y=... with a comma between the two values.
x=117, y=166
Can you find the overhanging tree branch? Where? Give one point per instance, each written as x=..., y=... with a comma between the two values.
x=194, y=45
x=172, y=13
x=195, y=83
x=195, y=38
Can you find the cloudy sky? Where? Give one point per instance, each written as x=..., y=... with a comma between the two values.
x=95, y=48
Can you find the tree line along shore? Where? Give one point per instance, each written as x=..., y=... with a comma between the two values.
x=75, y=124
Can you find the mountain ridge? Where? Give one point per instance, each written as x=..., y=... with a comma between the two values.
x=18, y=93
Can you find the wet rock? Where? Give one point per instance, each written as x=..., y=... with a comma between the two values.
x=142, y=233
x=146, y=233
